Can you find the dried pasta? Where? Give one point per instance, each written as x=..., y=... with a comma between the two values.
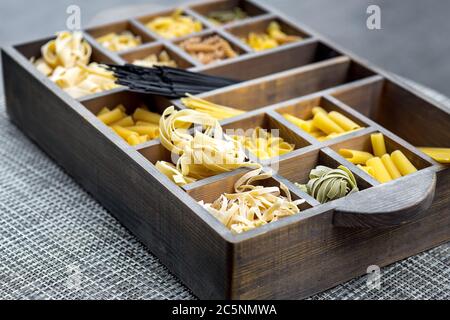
x=379, y=170
x=131, y=128
x=202, y=153
x=217, y=111
x=175, y=25
x=378, y=145
x=328, y=184
x=208, y=49
x=390, y=167
x=273, y=38
x=65, y=61
x=251, y=205
x=263, y=144
x=119, y=41
x=162, y=59
x=402, y=163
x=355, y=156
x=324, y=126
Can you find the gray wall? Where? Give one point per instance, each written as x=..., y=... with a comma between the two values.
x=414, y=41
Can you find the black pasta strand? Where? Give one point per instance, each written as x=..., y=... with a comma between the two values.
x=166, y=81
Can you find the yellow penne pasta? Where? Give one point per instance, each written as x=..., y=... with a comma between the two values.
x=112, y=116
x=378, y=145
x=342, y=121
x=324, y=123
x=103, y=111
x=355, y=156
x=402, y=163
x=133, y=140
x=317, y=110
x=124, y=132
x=380, y=172
x=366, y=169
x=143, y=115
x=125, y=122
x=151, y=131
x=441, y=155
x=390, y=166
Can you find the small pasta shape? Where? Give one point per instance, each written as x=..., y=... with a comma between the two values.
x=380, y=172
x=378, y=145
x=355, y=156
x=390, y=166
x=402, y=163
x=324, y=123
x=342, y=121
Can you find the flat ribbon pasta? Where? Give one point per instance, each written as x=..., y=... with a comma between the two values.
x=203, y=151
x=252, y=205
x=328, y=184
x=65, y=60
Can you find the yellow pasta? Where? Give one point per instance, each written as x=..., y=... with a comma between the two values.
x=342, y=121
x=390, y=166
x=264, y=145
x=215, y=110
x=355, y=156
x=366, y=169
x=112, y=116
x=325, y=124
x=273, y=38
x=317, y=110
x=65, y=61
x=129, y=128
x=402, y=163
x=378, y=145
x=441, y=155
x=119, y=41
x=380, y=172
x=176, y=25
x=147, y=116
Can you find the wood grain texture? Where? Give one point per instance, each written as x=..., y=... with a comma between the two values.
x=296, y=256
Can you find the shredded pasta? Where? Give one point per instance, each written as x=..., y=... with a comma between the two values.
x=65, y=61
x=252, y=206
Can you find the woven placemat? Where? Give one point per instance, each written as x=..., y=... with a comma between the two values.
x=57, y=242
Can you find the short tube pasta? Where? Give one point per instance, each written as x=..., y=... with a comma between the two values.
x=355, y=156
x=324, y=123
x=380, y=172
x=342, y=121
x=402, y=163
x=378, y=145
x=390, y=166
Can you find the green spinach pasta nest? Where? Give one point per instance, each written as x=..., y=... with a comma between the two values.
x=328, y=184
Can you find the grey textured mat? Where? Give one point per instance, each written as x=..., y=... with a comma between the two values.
x=56, y=242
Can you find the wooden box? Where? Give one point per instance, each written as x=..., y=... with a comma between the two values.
x=297, y=256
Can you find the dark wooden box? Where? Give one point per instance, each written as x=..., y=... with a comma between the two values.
x=297, y=256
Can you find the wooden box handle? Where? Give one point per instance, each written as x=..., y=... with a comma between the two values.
x=399, y=202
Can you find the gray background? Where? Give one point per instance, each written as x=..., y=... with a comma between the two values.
x=56, y=242
x=414, y=41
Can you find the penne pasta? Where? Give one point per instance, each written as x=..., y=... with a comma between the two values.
x=378, y=145
x=355, y=156
x=143, y=115
x=390, y=166
x=325, y=124
x=380, y=172
x=402, y=163
x=342, y=121
x=112, y=116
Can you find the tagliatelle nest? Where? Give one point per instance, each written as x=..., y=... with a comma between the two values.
x=253, y=206
x=203, y=153
x=65, y=61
